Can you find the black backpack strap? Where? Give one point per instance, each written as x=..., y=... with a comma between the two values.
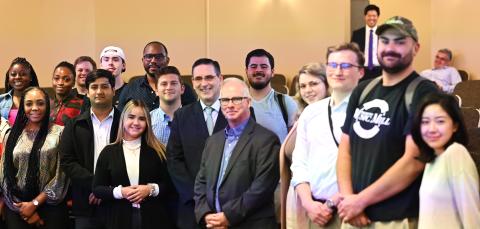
x=281, y=103
x=412, y=86
x=368, y=88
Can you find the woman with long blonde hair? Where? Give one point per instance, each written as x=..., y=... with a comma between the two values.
x=131, y=176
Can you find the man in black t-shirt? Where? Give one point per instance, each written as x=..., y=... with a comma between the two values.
x=377, y=172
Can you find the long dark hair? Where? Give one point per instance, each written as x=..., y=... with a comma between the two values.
x=22, y=61
x=450, y=105
x=32, y=180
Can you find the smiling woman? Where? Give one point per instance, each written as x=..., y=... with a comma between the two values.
x=33, y=185
x=19, y=76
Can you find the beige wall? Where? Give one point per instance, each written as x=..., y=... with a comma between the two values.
x=294, y=31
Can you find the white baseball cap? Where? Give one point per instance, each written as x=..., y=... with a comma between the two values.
x=112, y=51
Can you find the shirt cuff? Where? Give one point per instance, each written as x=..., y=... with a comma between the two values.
x=117, y=192
x=155, y=189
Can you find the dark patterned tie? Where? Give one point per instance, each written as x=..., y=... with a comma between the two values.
x=370, y=50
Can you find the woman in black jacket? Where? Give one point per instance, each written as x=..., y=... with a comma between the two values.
x=131, y=175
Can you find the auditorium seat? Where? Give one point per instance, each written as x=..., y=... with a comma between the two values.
x=472, y=123
x=464, y=74
x=468, y=93
x=294, y=86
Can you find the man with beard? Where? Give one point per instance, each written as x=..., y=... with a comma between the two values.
x=169, y=89
x=377, y=169
x=155, y=57
x=274, y=111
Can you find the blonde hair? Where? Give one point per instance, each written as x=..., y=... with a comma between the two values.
x=148, y=135
x=316, y=70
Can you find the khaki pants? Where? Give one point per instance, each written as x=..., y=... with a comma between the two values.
x=335, y=223
x=407, y=223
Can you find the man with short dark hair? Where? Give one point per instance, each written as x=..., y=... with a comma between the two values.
x=273, y=110
x=144, y=87
x=377, y=169
x=367, y=40
x=445, y=76
x=239, y=169
x=82, y=140
x=169, y=90
x=191, y=127
x=113, y=59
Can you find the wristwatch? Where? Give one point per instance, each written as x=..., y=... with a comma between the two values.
x=35, y=202
x=330, y=204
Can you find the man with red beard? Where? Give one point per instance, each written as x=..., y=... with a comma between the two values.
x=155, y=57
x=274, y=111
x=377, y=169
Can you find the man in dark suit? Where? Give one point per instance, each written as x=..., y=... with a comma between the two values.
x=367, y=41
x=191, y=126
x=82, y=141
x=239, y=169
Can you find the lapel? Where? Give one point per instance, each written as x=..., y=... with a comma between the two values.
x=238, y=150
x=123, y=166
x=85, y=117
x=114, y=128
x=144, y=161
x=220, y=123
x=216, y=150
x=199, y=121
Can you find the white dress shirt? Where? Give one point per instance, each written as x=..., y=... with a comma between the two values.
x=315, y=155
x=216, y=109
x=447, y=77
x=101, y=134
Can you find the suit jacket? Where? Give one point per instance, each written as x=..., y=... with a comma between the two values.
x=77, y=156
x=111, y=171
x=184, y=153
x=246, y=191
x=358, y=36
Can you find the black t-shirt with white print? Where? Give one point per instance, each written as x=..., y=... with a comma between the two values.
x=377, y=129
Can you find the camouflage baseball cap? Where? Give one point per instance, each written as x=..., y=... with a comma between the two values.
x=403, y=25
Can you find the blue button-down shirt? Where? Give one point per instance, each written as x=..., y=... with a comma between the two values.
x=231, y=138
x=161, y=125
x=6, y=102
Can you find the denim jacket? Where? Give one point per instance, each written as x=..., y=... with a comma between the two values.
x=6, y=101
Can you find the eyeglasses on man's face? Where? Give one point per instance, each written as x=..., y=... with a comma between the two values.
x=235, y=100
x=158, y=56
x=207, y=78
x=343, y=66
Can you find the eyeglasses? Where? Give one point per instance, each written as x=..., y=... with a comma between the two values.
x=343, y=66
x=157, y=56
x=208, y=78
x=235, y=100
x=441, y=58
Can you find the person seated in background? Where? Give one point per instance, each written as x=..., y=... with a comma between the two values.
x=445, y=76
x=20, y=76
x=449, y=189
x=312, y=86
x=169, y=91
x=66, y=104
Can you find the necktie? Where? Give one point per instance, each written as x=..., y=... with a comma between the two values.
x=209, y=111
x=370, y=50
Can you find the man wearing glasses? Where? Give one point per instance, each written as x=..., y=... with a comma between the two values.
x=191, y=126
x=155, y=57
x=318, y=135
x=445, y=76
x=239, y=169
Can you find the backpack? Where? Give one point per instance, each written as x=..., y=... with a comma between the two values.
x=412, y=86
x=279, y=97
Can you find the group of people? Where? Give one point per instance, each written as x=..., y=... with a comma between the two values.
x=150, y=154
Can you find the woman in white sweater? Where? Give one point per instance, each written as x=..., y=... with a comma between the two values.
x=449, y=194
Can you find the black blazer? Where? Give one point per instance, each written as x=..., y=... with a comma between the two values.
x=251, y=176
x=77, y=156
x=184, y=153
x=358, y=36
x=111, y=171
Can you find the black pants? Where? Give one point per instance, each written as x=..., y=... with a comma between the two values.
x=55, y=217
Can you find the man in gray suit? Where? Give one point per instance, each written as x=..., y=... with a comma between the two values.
x=239, y=169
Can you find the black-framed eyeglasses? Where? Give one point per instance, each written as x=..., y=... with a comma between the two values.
x=158, y=56
x=343, y=66
x=235, y=100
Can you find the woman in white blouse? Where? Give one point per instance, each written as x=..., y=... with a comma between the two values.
x=131, y=175
x=449, y=194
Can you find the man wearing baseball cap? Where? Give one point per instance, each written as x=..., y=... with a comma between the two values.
x=377, y=169
x=113, y=59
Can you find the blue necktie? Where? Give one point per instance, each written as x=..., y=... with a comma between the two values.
x=370, y=50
